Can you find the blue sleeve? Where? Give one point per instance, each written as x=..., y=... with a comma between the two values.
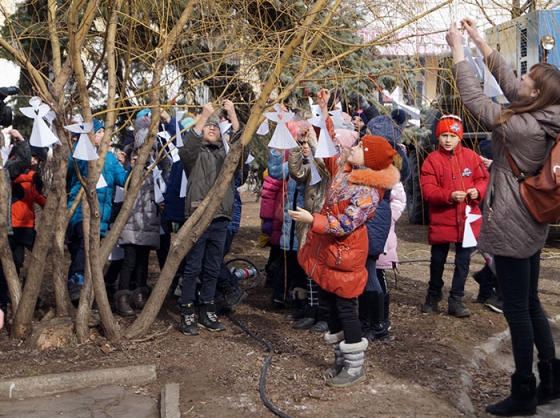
x=277, y=169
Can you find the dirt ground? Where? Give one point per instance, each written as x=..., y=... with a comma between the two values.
x=220, y=373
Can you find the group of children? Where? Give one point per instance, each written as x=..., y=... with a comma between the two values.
x=358, y=193
x=350, y=297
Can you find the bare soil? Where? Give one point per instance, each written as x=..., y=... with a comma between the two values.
x=419, y=371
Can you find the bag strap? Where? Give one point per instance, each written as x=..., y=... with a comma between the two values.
x=521, y=176
x=518, y=175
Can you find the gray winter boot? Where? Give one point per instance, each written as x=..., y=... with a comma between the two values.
x=353, y=371
x=338, y=365
x=456, y=307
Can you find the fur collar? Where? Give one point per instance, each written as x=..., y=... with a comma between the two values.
x=383, y=179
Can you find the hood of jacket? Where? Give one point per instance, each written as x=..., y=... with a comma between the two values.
x=381, y=179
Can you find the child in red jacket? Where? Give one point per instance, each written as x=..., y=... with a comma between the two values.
x=26, y=191
x=453, y=179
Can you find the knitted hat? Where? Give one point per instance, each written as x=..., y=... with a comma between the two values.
x=386, y=127
x=346, y=138
x=143, y=120
x=97, y=125
x=450, y=123
x=361, y=114
x=39, y=152
x=188, y=122
x=378, y=153
x=213, y=120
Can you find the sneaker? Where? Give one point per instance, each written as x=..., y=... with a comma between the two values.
x=456, y=308
x=496, y=304
x=482, y=298
x=188, y=324
x=208, y=319
x=75, y=287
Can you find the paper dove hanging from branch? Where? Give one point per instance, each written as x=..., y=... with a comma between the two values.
x=84, y=149
x=41, y=135
x=282, y=138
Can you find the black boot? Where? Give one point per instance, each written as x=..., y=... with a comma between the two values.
x=522, y=400
x=208, y=319
x=456, y=307
x=139, y=297
x=431, y=302
x=188, y=324
x=122, y=299
x=549, y=385
x=386, y=303
x=298, y=309
x=310, y=318
x=377, y=330
x=363, y=312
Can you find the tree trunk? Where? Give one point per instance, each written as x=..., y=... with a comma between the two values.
x=6, y=256
x=60, y=282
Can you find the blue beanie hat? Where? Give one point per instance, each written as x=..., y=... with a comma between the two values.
x=362, y=115
x=97, y=125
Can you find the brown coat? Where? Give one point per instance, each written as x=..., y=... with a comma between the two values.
x=507, y=228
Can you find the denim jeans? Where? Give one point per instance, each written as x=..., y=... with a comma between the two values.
x=208, y=251
x=528, y=324
x=437, y=263
x=341, y=315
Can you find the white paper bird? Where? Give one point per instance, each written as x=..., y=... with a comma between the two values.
x=41, y=135
x=84, y=149
x=469, y=240
x=282, y=138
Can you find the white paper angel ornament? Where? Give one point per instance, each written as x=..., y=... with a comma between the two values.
x=41, y=135
x=325, y=145
x=469, y=240
x=84, y=149
x=282, y=138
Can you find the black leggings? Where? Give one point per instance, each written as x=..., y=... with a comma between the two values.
x=528, y=324
x=341, y=315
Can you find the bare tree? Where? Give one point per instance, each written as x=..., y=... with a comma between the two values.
x=151, y=54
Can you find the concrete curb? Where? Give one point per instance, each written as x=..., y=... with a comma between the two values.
x=481, y=353
x=169, y=401
x=29, y=387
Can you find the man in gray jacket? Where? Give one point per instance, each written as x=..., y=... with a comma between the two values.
x=202, y=158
